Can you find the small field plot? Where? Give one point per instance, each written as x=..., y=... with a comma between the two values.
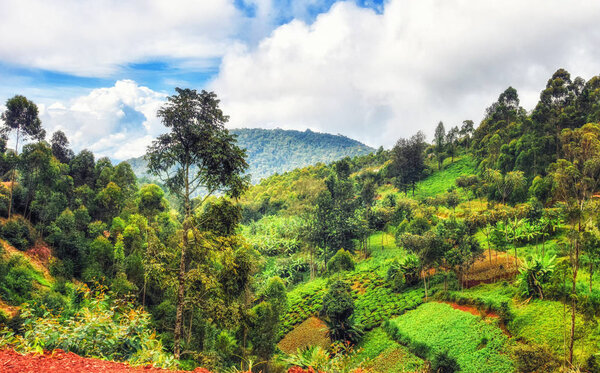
x=477, y=345
x=377, y=352
x=312, y=332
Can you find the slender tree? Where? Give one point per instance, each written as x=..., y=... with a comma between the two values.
x=576, y=177
x=21, y=115
x=198, y=155
x=466, y=131
x=439, y=139
x=451, y=140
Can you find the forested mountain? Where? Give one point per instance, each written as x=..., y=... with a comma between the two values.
x=475, y=252
x=277, y=151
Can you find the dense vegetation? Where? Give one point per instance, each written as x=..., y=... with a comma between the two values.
x=475, y=252
x=277, y=151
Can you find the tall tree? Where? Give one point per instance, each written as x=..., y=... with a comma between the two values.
x=21, y=115
x=82, y=169
x=60, y=147
x=427, y=248
x=506, y=186
x=576, y=178
x=266, y=317
x=466, y=130
x=460, y=248
x=552, y=111
x=408, y=160
x=439, y=139
x=197, y=155
x=451, y=140
x=367, y=195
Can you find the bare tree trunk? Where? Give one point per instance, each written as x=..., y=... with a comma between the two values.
x=180, y=294
x=144, y=291
x=573, y=297
x=591, y=275
x=12, y=177
x=189, y=338
x=181, y=276
x=425, y=283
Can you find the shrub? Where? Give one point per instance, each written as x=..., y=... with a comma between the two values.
x=443, y=363
x=16, y=231
x=341, y=261
x=338, y=306
x=16, y=280
x=534, y=358
x=534, y=273
x=404, y=273
x=102, y=328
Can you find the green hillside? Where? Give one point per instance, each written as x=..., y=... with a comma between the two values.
x=461, y=254
x=277, y=151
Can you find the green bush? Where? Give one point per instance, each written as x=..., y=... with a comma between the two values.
x=101, y=329
x=443, y=363
x=338, y=307
x=403, y=273
x=16, y=280
x=16, y=231
x=530, y=358
x=341, y=261
x=534, y=273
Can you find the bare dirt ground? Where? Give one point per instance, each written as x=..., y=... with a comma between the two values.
x=60, y=361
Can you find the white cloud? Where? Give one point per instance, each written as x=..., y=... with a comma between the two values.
x=117, y=122
x=97, y=37
x=376, y=77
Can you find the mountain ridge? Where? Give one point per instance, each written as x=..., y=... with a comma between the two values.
x=271, y=151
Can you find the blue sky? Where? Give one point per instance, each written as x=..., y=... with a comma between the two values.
x=161, y=74
x=371, y=70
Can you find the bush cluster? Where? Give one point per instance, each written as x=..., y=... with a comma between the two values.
x=101, y=328
x=17, y=232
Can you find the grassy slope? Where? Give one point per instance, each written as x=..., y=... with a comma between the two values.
x=440, y=182
x=24, y=276
x=536, y=321
x=543, y=322
x=377, y=351
x=477, y=345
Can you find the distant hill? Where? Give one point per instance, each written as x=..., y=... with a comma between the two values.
x=276, y=151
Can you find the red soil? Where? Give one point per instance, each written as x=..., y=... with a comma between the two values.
x=60, y=361
x=474, y=311
x=470, y=309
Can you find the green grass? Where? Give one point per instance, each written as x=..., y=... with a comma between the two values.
x=378, y=352
x=383, y=251
x=440, y=181
x=492, y=295
x=548, y=323
x=18, y=279
x=476, y=345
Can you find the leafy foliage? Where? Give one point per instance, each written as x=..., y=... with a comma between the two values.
x=534, y=273
x=101, y=328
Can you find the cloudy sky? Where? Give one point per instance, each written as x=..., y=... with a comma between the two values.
x=371, y=70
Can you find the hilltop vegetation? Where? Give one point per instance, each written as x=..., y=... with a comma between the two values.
x=475, y=252
x=275, y=151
